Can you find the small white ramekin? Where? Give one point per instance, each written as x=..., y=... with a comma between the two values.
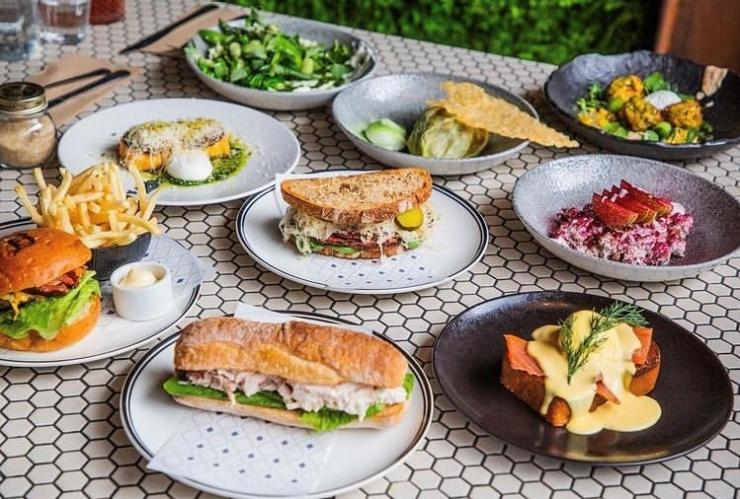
x=142, y=304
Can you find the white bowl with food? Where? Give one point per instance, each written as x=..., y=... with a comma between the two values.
x=400, y=121
x=304, y=75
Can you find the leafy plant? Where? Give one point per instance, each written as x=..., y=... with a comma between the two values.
x=553, y=31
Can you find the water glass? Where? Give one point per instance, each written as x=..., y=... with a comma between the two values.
x=18, y=30
x=64, y=21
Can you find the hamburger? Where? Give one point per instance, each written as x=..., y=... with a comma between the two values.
x=48, y=298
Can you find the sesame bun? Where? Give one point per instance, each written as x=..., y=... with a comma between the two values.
x=31, y=258
x=67, y=335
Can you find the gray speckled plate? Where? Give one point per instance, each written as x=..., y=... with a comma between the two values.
x=289, y=101
x=541, y=193
x=402, y=98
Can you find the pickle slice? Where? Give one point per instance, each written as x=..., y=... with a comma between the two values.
x=410, y=219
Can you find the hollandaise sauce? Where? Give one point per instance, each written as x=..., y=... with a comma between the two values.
x=611, y=364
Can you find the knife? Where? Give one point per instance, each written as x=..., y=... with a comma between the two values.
x=94, y=72
x=115, y=75
x=165, y=31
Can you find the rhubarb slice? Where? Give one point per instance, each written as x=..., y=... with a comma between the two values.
x=645, y=214
x=662, y=206
x=612, y=214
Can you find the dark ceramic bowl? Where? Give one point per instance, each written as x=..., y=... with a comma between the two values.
x=570, y=82
x=105, y=260
x=693, y=387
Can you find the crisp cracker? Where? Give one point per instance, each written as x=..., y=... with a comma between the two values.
x=472, y=106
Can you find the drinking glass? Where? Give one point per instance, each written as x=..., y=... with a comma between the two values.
x=64, y=21
x=18, y=30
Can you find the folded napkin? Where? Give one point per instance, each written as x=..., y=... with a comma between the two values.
x=72, y=65
x=172, y=43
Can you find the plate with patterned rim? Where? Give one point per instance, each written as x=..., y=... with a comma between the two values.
x=358, y=456
x=114, y=335
x=456, y=242
x=274, y=149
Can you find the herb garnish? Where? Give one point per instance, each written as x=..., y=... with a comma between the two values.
x=601, y=321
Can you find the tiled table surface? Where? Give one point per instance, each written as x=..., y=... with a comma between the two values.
x=60, y=432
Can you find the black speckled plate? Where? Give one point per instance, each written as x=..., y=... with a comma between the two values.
x=693, y=388
x=571, y=81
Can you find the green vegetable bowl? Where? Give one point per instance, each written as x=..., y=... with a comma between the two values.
x=278, y=63
x=362, y=111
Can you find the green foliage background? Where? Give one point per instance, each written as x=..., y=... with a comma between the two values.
x=544, y=30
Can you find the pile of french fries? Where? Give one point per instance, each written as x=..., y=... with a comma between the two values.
x=93, y=205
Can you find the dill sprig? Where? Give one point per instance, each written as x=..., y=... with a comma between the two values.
x=601, y=321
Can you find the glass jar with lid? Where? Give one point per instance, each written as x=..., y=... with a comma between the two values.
x=28, y=136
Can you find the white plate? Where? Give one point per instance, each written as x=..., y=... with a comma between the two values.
x=358, y=457
x=274, y=148
x=114, y=335
x=455, y=243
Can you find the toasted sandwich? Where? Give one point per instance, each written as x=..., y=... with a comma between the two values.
x=48, y=298
x=148, y=146
x=295, y=373
x=368, y=215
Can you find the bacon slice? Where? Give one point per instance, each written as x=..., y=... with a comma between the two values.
x=353, y=240
x=645, y=335
x=520, y=360
x=59, y=286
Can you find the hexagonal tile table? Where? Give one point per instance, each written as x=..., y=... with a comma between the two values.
x=61, y=435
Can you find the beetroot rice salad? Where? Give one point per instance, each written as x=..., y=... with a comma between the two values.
x=627, y=225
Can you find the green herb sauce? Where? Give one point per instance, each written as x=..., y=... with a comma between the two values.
x=223, y=168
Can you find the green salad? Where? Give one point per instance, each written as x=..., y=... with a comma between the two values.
x=260, y=56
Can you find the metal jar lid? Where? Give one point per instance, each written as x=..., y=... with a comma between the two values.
x=22, y=98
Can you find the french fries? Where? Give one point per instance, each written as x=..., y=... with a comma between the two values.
x=93, y=205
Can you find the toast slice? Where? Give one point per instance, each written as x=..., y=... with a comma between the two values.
x=353, y=200
x=521, y=375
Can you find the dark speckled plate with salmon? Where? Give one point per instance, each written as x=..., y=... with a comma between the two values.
x=693, y=388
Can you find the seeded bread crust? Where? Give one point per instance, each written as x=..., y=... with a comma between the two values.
x=390, y=416
x=352, y=200
x=300, y=352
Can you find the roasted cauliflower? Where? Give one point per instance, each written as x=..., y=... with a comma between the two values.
x=596, y=117
x=624, y=88
x=686, y=114
x=639, y=114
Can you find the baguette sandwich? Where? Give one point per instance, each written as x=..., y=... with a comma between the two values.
x=300, y=374
x=367, y=216
x=606, y=391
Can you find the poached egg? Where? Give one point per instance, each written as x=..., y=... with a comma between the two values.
x=189, y=164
